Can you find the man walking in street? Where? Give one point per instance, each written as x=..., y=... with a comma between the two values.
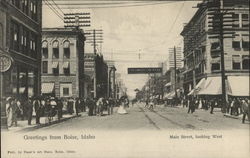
x=245, y=110
x=37, y=105
x=29, y=110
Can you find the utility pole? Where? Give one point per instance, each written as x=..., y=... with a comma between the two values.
x=95, y=82
x=162, y=86
x=219, y=19
x=94, y=37
x=175, y=72
x=76, y=20
x=194, y=74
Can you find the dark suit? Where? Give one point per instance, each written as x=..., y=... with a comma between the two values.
x=29, y=111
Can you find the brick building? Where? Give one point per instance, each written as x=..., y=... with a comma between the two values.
x=63, y=62
x=202, y=54
x=20, y=36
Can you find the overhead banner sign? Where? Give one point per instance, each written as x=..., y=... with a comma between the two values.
x=145, y=70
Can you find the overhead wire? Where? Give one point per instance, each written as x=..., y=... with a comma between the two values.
x=81, y=6
x=53, y=9
x=57, y=6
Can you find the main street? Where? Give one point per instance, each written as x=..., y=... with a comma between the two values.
x=140, y=118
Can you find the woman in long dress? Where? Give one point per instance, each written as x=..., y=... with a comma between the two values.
x=121, y=109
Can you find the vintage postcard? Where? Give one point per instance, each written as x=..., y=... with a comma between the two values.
x=124, y=78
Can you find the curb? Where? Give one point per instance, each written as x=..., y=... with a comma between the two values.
x=47, y=124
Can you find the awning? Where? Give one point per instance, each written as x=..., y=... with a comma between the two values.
x=168, y=84
x=54, y=64
x=239, y=85
x=212, y=86
x=66, y=65
x=198, y=87
x=47, y=88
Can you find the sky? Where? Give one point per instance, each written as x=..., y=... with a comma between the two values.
x=148, y=30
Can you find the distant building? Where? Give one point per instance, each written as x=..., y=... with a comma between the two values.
x=173, y=83
x=172, y=60
x=95, y=63
x=111, y=79
x=20, y=36
x=63, y=62
x=202, y=54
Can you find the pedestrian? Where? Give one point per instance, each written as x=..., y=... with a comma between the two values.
x=77, y=106
x=99, y=105
x=213, y=103
x=29, y=110
x=90, y=103
x=37, y=105
x=47, y=109
x=232, y=106
x=53, y=107
x=59, y=109
x=191, y=105
x=70, y=106
x=83, y=103
x=42, y=110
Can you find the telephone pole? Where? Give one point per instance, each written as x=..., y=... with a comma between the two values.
x=76, y=20
x=175, y=91
x=220, y=19
x=94, y=37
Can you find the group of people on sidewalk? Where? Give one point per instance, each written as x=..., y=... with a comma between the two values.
x=53, y=107
x=234, y=106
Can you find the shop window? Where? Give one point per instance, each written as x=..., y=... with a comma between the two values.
x=236, y=45
x=13, y=80
x=31, y=82
x=236, y=62
x=65, y=91
x=45, y=67
x=56, y=50
x=66, y=50
x=215, y=66
x=23, y=81
x=246, y=62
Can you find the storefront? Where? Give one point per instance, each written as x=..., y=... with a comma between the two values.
x=20, y=81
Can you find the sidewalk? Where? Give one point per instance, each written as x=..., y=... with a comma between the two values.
x=22, y=125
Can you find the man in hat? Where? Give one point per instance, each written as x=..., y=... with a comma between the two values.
x=37, y=105
x=29, y=110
